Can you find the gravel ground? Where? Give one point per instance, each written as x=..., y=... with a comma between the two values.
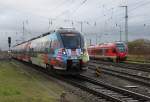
x=87, y=97
x=71, y=93
x=119, y=82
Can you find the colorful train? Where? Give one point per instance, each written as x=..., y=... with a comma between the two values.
x=116, y=51
x=62, y=50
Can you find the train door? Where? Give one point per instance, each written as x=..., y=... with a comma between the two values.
x=103, y=52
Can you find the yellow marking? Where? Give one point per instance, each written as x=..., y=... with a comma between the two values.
x=98, y=71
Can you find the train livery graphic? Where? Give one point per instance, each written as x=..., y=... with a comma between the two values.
x=62, y=50
x=116, y=51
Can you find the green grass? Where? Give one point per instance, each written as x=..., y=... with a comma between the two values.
x=20, y=85
x=139, y=58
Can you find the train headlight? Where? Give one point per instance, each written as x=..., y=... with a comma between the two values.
x=64, y=53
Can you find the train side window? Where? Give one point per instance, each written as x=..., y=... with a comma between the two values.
x=103, y=51
x=114, y=50
x=94, y=51
x=50, y=43
x=107, y=50
x=31, y=52
x=100, y=51
x=51, y=50
x=97, y=51
x=46, y=50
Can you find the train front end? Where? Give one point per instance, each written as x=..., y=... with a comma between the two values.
x=74, y=55
x=122, y=51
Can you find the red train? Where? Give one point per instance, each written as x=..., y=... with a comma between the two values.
x=116, y=51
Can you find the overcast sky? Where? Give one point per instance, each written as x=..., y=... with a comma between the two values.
x=101, y=18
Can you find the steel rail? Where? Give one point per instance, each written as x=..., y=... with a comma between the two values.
x=143, y=67
x=100, y=89
x=132, y=77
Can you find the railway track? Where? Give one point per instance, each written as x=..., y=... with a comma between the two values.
x=138, y=67
x=106, y=93
x=122, y=74
x=114, y=93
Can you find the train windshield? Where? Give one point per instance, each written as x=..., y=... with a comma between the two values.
x=121, y=47
x=71, y=40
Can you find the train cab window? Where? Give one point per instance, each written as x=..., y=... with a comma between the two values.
x=120, y=47
x=71, y=40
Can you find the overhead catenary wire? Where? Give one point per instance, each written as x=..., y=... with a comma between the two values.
x=106, y=17
x=74, y=6
x=139, y=6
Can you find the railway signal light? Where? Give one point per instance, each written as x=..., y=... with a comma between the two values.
x=9, y=42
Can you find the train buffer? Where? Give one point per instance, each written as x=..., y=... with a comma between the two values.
x=98, y=71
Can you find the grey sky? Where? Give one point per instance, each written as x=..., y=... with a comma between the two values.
x=106, y=13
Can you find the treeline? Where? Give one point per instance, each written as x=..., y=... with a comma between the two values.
x=139, y=47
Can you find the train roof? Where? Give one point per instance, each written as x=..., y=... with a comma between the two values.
x=60, y=30
x=112, y=44
x=66, y=30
